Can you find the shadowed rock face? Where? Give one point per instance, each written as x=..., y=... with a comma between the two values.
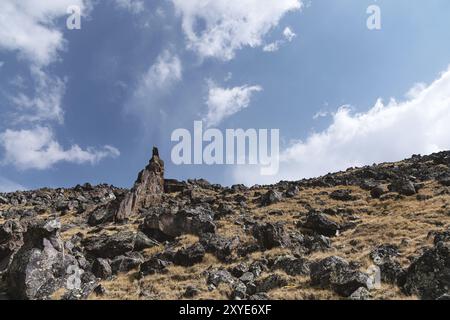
x=147, y=189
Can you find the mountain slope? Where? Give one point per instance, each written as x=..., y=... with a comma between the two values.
x=326, y=238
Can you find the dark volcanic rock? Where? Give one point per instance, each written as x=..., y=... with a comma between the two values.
x=11, y=239
x=384, y=253
x=189, y=256
x=343, y=195
x=429, y=276
x=271, y=235
x=110, y=246
x=378, y=191
x=127, y=262
x=321, y=224
x=271, y=282
x=271, y=197
x=154, y=265
x=335, y=273
x=292, y=266
x=102, y=269
x=403, y=186
x=292, y=191
x=101, y=215
x=442, y=236
x=191, y=292
x=217, y=277
x=221, y=247
x=445, y=181
x=167, y=225
x=172, y=186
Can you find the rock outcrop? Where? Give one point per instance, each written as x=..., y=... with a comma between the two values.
x=147, y=189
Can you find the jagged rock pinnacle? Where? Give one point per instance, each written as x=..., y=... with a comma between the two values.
x=147, y=189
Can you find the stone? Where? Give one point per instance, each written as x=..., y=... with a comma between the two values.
x=238, y=270
x=41, y=267
x=343, y=195
x=189, y=256
x=384, y=253
x=146, y=191
x=110, y=246
x=127, y=262
x=271, y=282
x=321, y=224
x=271, y=197
x=312, y=243
x=142, y=242
x=378, y=191
x=239, y=291
x=247, y=277
x=154, y=265
x=403, y=186
x=101, y=215
x=429, y=275
x=11, y=240
x=360, y=294
x=100, y=290
x=221, y=247
x=102, y=269
x=291, y=265
x=260, y=296
x=173, y=186
x=292, y=191
x=335, y=273
x=191, y=292
x=445, y=181
x=271, y=235
x=215, y=278
x=166, y=226
x=443, y=236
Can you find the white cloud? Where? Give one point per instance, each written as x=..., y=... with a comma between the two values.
x=321, y=114
x=2, y=64
x=28, y=27
x=288, y=36
x=155, y=83
x=272, y=47
x=165, y=72
x=38, y=149
x=7, y=185
x=384, y=133
x=45, y=104
x=217, y=28
x=224, y=102
x=33, y=29
x=134, y=6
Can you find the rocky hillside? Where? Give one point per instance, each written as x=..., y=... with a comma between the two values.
x=332, y=237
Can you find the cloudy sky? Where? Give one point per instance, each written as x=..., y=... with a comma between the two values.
x=88, y=105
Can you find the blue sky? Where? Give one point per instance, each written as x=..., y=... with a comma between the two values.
x=88, y=105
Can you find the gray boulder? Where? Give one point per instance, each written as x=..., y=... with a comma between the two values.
x=41, y=266
x=336, y=274
x=271, y=235
x=429, y=276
